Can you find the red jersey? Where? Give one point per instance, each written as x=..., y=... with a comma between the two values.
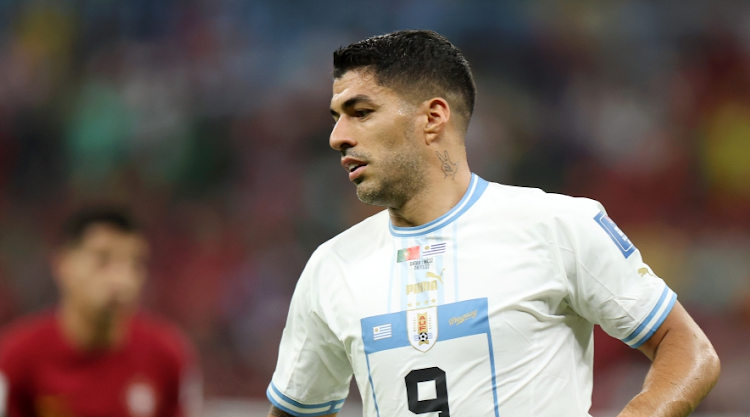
x=151, y=374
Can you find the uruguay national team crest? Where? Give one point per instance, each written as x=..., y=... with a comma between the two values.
x=423, y=328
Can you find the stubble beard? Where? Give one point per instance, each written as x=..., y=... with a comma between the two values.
x=400, y=177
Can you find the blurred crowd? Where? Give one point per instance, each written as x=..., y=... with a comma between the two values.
x=210, y=118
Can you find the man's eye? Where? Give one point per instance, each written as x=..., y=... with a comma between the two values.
x=361, y=113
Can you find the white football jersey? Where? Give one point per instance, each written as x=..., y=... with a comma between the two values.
x=486, y=311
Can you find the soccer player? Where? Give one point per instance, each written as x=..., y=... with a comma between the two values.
x=465, y=297
x=96, y=354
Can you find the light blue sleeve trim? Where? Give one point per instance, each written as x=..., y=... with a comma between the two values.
x=654, y=320
x=288, y=405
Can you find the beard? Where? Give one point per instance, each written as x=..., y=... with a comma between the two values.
x=400, y=176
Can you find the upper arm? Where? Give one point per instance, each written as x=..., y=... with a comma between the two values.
x=313, y=370
x=680, y=326
x=608, y=281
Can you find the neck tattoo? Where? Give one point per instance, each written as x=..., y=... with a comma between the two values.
x=448, y=167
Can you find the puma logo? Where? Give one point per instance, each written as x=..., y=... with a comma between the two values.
x=438, y=277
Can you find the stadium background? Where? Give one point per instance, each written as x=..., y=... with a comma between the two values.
x=211, y=119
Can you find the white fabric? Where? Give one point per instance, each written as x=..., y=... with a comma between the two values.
x=504, y=309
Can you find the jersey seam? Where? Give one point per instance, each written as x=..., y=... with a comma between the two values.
x=636, y=320
x=576, y=374
x=561, y=264
x=631, y=328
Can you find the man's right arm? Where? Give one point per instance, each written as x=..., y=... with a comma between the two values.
x=310, y=351
x=275, y=412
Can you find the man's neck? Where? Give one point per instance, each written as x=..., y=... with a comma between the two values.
x=88, y=333
x=439, y=197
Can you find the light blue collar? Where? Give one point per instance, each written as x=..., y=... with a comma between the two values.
x=476, y=189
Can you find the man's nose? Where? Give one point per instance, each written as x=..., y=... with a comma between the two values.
x=341, y=137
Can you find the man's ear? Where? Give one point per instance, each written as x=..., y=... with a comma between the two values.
x=438, y=115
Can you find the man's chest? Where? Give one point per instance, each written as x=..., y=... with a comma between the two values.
x=114, y=386
x=457, y=305
x=517, y=275
x=450, y=267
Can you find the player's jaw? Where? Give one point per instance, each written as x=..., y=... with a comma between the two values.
x=391, y=179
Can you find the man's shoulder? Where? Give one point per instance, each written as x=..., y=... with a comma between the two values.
x=534, y=202
x=25, y=332
x=26, y=340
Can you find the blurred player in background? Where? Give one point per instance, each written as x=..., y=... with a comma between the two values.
x=96, y=354
x=465, y=297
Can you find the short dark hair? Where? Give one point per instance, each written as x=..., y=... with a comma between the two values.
x=79, y=222
x=421, y=63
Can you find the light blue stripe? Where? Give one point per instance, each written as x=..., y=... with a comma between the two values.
x=404, y=277
x=475, y=190
x=372, y=385
x=466, y=195
x=399, y=332
x=439, y=268
x=478, y=325
x=494, y=379
x=455, y=260
x=331, y=405
x=394, y=254
x=641, y=327
x=658, y=323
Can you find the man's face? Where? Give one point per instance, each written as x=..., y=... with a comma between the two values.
x=103, y=274
x=376, y=133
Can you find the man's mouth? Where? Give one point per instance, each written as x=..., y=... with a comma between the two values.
x=354, y=167
x=355, y=170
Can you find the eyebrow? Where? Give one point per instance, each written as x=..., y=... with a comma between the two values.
x=359, y=98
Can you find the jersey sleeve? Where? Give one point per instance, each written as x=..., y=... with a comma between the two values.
x=313, y=370
x=609, y=283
